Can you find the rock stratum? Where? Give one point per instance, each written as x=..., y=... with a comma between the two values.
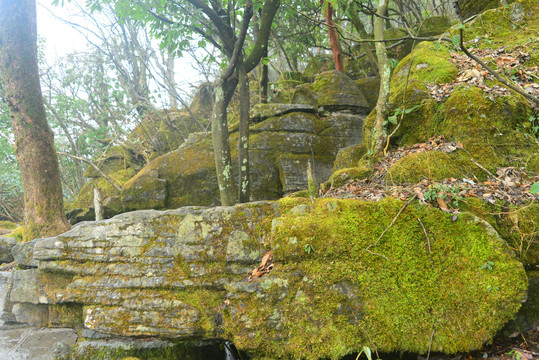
x=346, y=274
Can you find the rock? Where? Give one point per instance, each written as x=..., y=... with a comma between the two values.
x=334, y=91
x=279, y=149
x=261, y=112
x=23, y=254
x=370, y=88
x=31, y=314
x=182, y=273
x=6, y=244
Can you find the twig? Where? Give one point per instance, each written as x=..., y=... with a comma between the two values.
x=430, y=344
x=494, y=73
x=478, y=164
x=428, y=242
x=387, y=228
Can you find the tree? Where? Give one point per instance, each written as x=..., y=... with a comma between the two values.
x=380, y=132
x=34, y=146
x=225, y=26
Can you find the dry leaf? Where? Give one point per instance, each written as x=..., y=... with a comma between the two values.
x=442, y=204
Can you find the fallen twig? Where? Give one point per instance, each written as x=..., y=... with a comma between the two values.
x=428, y=241
x=387, y=228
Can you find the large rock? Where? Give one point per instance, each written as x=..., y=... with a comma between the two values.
x=342, y=270
x=6, y=244
x=282, y=141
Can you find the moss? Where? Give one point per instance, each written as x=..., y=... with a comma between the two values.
x=8, y=225
x=17, y=234
x=340, y=177
x=405, y=288
x=85, y=198
x=517, y=224
x=486, y=125
x=65, y=315
x=433, y=166
x=434, y=25
x=370, y=88
x=510, y=28
x=349, y=157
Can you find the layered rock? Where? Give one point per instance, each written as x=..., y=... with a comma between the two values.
x=346, y=273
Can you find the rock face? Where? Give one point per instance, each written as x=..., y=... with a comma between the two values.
x=182, y=274
x=284, y=138
x=6, y=243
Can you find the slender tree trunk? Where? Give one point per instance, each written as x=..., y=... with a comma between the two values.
x=380, y=132
x=243, y=142
x=333, y=38
x=34, y=146
x=264, y=81
x=221, y=146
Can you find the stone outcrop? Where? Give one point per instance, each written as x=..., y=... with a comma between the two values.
x=6, y=244
x=284, y=138
x=182, y=275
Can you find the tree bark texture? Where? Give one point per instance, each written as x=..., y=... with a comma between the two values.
x=333, y=39
x=34, y=146
x=221, y=145
x=380, y=133
x=243, y=142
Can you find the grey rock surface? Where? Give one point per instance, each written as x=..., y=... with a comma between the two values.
x=6, y=244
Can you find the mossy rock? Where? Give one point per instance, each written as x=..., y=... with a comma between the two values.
x=486, y=125
x=434, y=25
x=433, y=166
x=349, y=157
x=470, y=8
x=338, y=286
x=510, y=28
x=516, y=224
x=402, y=50
x=85, y=198
x=334, y=90
x=340, y=177
x=370, y=88
x=431, y=65
x=304, y=95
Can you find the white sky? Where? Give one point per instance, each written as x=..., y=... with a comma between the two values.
x=61, y=39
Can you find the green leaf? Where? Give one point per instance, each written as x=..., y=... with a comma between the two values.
x=455, y=40
x=535, y=188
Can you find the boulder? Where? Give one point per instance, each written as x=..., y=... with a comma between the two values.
x=281, y=142
x=333, y=91
x=6, y=244
x=23, y=254
x=342, y=269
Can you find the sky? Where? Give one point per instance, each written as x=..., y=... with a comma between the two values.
x=61, y=39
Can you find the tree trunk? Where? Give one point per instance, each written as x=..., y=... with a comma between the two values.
x=34, y=146
x=243, y=142
x=380, y=132
x=221, y=146
x=333, y=39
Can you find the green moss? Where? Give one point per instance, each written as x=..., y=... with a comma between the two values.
x=434, y=25
x=486, y=125
x=340, y=177
x=403, y=285
x=431, y=64
x=510, y=28
x=433, y=166
x=349, y=157
x=17, y=233
x=8, y=225
x=85, y=198
x=518, y=225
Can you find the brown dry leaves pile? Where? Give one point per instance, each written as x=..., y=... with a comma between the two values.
x=508, y=64
x=509, y=184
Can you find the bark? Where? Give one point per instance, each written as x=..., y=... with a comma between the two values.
x=243, y=142
x=380, y=132
x=34, y=147
x=221, y=146
x=333, y=39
